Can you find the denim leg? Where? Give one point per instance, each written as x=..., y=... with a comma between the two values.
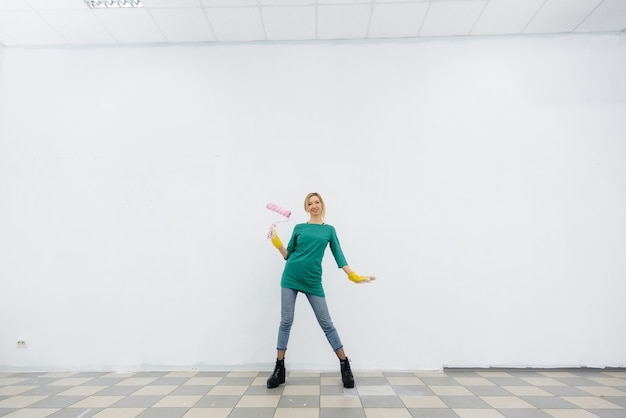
x=323, y=318
x=287, y=308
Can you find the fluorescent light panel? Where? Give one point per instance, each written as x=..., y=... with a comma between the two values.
x=100, y=4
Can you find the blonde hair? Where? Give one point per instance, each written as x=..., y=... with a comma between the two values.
x=306, y=203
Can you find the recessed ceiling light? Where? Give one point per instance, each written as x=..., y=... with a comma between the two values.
x=100, y=4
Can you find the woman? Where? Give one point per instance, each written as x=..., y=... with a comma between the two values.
x=303, y=273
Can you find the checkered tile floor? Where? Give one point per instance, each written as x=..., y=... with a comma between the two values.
x=450, y=393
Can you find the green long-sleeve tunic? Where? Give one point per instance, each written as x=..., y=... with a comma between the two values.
x=303, y=270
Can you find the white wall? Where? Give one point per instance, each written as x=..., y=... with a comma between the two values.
x=1, y=56
x=482, y=180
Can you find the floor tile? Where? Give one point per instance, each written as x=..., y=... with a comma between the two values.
x=31, y=413
x=80, y=390
x=71, y=381
x=589, y=402
x=601, y=390
x=526, y=391
x=252, y=413
x=618, y=400
x=524, y=413
x=137, y=401
x=154, y=390
x=264, y=390
x=432, y=413
x=306, y=381
x=548, y=402
x=404, y=380
x=429, y=402
x=462, y=393
x=439, y=381
x=301, y=390
x=305, y=374
x=369, y=381
x=297, y=413
x=218, y=401
x=556, y=373
x=464, y=402
x=181, y=374
x=342, y=413
x=489, y=391
x=189, y=390
x=137, y=381
x=503, y=402
x=387, y=413
x=228, y=390
x=258, y=402
x=119, y=413
x=57, y=402
x=542, y=381
x=508, y=381
x=203, y=381
x=478, y=413
x=570, y=413
x=473, y=381
x=236, y=381
x=299, y=401
x=163, y=413
x=488, y=374
x=451, y=391
x=413, y=390
x=15, y=390
x=206, y=413
x=20, y=401
x=104, y=381
x=177, y=401
x=381, y=401
x=169, y=381
x=74, y=413
x=119, y=390
x=376, y=390
x=608, y=413
x=564, y=391
x=340, y=402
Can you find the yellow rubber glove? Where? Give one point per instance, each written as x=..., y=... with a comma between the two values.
x=356, y=278
x=275, y=240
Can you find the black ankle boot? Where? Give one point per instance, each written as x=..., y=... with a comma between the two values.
x=346, y=373
x=278, y=376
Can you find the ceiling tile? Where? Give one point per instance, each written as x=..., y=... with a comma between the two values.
x=397, y=20
x=57, y=4
x=236, y=23
x=289, y=23
x=78, y=27
x=29, y=28
x=287, y=2
x=14, y=6
x=342, y=1
x=229, y=3
x=609, y=16
x=506, y=16
x=6, y=40
x=183, y=25
x=130, y=25
x=343, y=22
x=557, y=16
x=451, y=18
x=171, y=3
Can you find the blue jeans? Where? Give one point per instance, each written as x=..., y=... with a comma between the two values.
x=288, y=304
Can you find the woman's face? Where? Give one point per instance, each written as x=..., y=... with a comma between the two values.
x=314, y=205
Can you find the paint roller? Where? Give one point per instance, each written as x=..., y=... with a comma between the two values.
x=281, y=211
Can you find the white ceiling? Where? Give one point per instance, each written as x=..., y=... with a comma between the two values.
x=72, y=22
